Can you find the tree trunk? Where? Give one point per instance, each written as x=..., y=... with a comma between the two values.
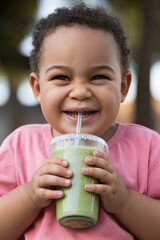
x=144, y=114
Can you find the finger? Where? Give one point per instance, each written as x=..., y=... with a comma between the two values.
x=101, y=155
x=51, y=180
x=101, y=174
x=53, y=169
x=100, y=162
x=47, y=194
x=57, y=161
x=99, y=189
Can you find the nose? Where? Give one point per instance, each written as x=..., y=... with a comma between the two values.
x=80, y=91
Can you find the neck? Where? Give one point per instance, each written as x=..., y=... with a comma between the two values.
x=110, y=132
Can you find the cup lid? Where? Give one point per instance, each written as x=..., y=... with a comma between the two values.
x=83, y=136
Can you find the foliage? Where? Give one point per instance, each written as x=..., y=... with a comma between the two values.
x=15, y=19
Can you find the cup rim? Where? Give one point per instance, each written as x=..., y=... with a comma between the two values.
x=75, y=136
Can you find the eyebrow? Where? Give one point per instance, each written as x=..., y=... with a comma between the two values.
x=57, y=67
x=94, y=68
x=104, y=67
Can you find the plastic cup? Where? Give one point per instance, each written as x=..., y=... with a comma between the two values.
x=78, y=209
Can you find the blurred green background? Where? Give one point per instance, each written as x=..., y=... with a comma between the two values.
x=141, y=20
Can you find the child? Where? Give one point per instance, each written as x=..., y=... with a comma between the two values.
x=80, y=63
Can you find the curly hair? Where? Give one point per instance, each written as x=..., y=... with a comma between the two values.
x=80, y=14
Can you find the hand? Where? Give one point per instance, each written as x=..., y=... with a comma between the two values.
x=52, y=173
x=112, y=190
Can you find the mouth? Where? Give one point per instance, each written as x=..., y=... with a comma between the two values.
x=86, y=115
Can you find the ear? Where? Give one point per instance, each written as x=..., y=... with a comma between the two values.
x=125, y=84
x=34, y=82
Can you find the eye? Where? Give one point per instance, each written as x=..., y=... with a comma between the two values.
x=60, y=77
x=97, y=77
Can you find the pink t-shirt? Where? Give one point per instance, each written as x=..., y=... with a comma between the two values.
x=134, y=153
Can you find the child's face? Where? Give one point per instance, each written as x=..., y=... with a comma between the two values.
x=80, y=72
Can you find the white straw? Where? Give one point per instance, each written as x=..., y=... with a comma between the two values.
x=79, y=121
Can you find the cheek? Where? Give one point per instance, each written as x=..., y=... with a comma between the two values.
x=51, y=102
x=50, y=95
x=110, y=96
x=111, y=102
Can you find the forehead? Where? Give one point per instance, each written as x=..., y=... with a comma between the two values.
x=82, y=40
x=76, y=31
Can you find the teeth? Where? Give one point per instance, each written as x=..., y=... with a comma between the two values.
x=85, y=114
x=73, y=115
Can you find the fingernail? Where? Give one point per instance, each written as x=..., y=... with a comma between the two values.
x=67, y=182
x=64, y=162
x=60, y=194
x=87, y=187
x=68, y=172
x=85, y=169
x=89, y=159
x=96, y=153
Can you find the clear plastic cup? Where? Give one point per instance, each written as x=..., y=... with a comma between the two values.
x=78, y=208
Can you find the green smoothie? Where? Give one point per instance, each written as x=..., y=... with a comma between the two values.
x=78, y=208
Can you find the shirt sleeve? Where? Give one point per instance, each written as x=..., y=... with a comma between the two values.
x=154, y=169
x=7, y=168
